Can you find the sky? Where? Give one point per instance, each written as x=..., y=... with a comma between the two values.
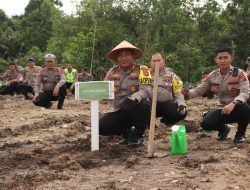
x=16, y=7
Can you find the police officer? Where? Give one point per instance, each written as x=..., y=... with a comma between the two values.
x=50, y=84
x=247, y=69
x=232, y=87
x=84, y=76
x=132, y=114
x=170, y=101
x=11, y=79
x=30, y=74
x=71, y=77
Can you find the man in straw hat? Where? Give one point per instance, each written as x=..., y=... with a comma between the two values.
x=132, y=114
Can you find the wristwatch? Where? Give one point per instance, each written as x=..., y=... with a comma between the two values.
x=237, y=102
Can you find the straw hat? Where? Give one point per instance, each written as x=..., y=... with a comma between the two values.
x=137, y=53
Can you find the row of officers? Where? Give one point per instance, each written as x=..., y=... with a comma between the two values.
x=43, y=85
x=133, y=86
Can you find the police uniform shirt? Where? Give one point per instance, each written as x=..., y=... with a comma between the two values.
x=31, y=74
x=228, y=88
x=12, y=76
x=128, y=82
x=47, y=80
x=169, y=87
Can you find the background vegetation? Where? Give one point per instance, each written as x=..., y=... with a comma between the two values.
x=186, y=33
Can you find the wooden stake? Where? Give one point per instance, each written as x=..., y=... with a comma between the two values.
x=153, y=113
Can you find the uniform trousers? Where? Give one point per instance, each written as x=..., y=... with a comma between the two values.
x=9, y=89
x=68, y=84
x=44, y=99
x=24, y=89
x=120, y=122
x=168, y=112
x=214, y=120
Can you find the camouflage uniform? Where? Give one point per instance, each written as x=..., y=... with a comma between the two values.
x=169, y=96
x=45, y=83
x=127, y=83
x=233, y=87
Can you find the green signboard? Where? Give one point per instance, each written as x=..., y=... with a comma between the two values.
x=94, y=90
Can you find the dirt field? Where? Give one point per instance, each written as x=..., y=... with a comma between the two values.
x=50, y=149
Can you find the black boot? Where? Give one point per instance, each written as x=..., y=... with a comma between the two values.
x=223, y=132
x=124, y=140
x=62, y=94
x=134, y=139
x=125, y=137
x=60, y=103
x=239, y=138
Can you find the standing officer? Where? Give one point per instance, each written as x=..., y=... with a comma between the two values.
x=51, y=82
x=232, y=87
x=30, y=74
x=71, y=77
x=170, y=101
x=132, y=114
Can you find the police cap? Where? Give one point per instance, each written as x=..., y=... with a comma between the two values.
x=49, y=56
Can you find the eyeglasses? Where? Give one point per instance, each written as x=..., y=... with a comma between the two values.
x=49, y=61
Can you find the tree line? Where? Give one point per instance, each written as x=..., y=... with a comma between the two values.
x=184, y=31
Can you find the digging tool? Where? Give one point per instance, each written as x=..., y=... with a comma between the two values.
x=153, y=113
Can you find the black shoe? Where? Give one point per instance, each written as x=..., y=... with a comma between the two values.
x=222, y=135
x=134, y=139
x=60, y=107
x=240, y=139
x=136, y=142
x=124, y=141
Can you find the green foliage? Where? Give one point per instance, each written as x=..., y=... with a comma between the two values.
x=38, y=24
x=36, y=53
x=78, y=50
x=185, y=33
x=3, y=65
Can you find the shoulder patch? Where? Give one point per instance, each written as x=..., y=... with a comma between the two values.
x=134, y=74
x=242, y=77
x=145, y=70
x=115, y=75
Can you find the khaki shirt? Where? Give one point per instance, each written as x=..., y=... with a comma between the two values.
x=228, y=88
x=128, y=82
x=47, y=80
x=248, y=74
x=169, y=87
x=12, y=76
x=31, y=74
